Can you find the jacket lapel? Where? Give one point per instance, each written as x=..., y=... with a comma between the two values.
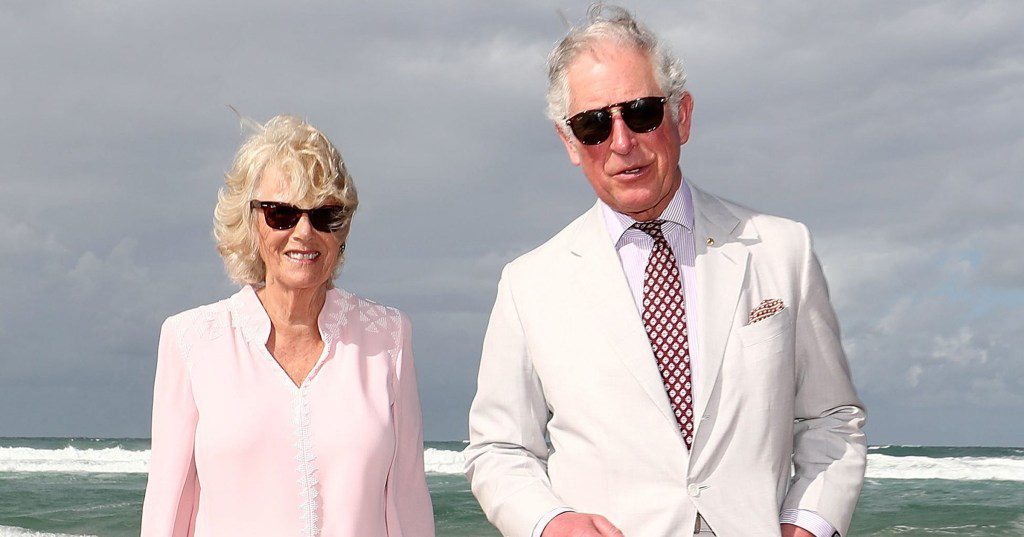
x=603, y=287
x=721, y=268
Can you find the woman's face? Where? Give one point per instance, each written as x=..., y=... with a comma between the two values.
x=296, y=258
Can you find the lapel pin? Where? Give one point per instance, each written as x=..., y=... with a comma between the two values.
x=711, y=242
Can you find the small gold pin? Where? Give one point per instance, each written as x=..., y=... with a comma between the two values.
x=711, y=242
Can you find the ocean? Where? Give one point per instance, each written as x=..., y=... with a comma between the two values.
x=88, y=486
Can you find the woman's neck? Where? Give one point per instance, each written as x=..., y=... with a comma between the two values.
x=293, y=311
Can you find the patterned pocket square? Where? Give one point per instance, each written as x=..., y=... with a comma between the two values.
x=764, y=310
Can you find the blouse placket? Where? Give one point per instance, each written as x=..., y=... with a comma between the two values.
x=256, y=335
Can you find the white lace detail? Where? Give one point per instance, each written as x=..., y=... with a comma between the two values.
x=342, y=304
x=308, y=491
x=383, y=318
x=346, y=303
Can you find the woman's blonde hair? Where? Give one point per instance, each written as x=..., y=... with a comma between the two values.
x=316, y=174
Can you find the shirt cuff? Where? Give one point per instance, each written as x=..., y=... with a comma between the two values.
x=810, y=521
x=544, y=520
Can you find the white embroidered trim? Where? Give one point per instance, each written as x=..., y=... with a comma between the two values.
x=307, y=466
x=383, y=318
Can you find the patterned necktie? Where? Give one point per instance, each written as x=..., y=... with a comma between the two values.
x=664, y=315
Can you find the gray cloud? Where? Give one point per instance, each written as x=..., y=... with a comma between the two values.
x=893, y=130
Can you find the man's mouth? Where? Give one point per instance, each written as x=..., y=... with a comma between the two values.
x=632, y=172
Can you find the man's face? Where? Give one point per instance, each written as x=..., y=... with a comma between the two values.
x=634, y=173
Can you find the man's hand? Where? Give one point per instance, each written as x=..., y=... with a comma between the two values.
x=789, y=530
x=581, y=525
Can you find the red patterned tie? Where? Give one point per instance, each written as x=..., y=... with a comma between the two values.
x=664, y=316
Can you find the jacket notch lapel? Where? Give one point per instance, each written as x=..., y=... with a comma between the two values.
x=603, y=286
x=721, y=267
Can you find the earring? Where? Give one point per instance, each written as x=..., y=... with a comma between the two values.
x=342, y=249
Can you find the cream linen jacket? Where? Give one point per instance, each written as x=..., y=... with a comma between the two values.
x=566, y=359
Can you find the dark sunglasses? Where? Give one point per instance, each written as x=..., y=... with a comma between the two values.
x=327, y=219
x=593, y=127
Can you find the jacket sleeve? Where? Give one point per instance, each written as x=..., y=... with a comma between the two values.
x=172, y=492
x=830, y=450
x=409, y=511
x=506, y=460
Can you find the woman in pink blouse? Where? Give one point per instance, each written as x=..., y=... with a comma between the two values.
x=290, y=408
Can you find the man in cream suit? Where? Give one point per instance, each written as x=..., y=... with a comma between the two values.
x=677, y=350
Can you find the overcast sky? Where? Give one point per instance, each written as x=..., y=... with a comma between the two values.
x=895, y=130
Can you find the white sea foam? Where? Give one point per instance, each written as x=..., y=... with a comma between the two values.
x=118, y=460
x=72, y=460
x=954, y=468
x=442, y=461
x=10, y=531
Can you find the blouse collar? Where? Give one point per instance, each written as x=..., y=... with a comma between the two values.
x=248, y=314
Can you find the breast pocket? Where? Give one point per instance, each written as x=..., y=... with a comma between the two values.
x=777, y=328
x=766, y=362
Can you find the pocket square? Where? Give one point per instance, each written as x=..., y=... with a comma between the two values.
x=764, y=310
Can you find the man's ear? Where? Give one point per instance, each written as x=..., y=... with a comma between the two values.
x=570, y=147
x=685, y=114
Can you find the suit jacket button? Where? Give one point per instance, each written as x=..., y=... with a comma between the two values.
x=694, y=490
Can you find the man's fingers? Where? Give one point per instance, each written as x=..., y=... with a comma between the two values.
x=580, y=525
x=606, y=528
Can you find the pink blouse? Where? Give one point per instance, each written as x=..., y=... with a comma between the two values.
x=238, y=449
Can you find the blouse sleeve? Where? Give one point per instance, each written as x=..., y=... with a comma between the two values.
x=409, y=511
x=172, y=492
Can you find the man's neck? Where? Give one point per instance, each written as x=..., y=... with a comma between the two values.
x=655, y=212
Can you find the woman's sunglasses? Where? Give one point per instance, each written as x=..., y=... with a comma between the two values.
x=593, y=127
x=327, y=219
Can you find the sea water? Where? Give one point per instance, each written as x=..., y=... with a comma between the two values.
x=81, y=486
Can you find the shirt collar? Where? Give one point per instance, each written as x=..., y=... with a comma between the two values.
x=679, y=211
x=249, y=315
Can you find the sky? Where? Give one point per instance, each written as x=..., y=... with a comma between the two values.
x=894, y=130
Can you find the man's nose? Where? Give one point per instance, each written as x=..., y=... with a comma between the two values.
x=622, y=137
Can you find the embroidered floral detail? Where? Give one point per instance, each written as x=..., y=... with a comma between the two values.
x=308, y=491
x=210, y=325
x=204, y=323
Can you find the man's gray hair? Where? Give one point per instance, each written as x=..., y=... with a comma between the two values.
x=611, y=23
